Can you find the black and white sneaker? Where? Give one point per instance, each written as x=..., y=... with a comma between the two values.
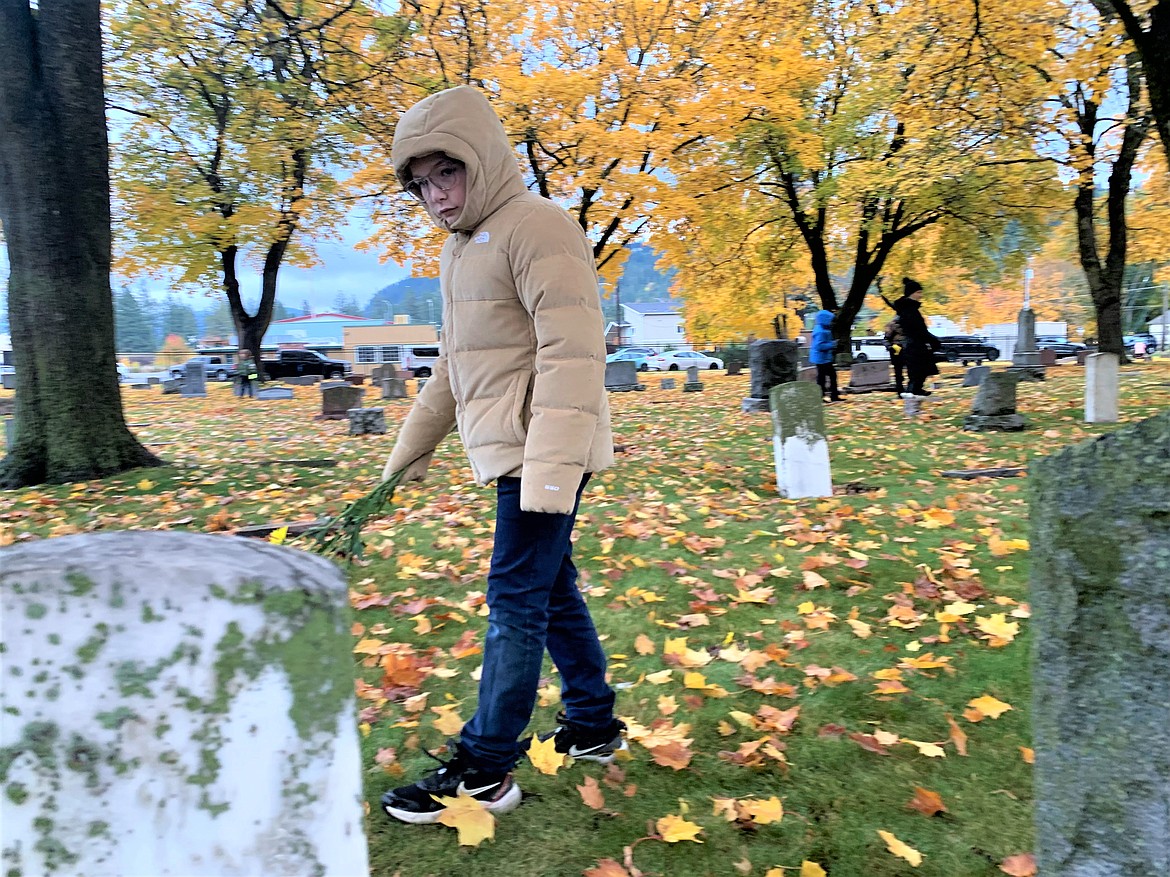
x=588, y=744
x=417, y=802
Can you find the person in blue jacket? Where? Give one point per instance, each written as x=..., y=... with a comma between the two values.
x=821, y=353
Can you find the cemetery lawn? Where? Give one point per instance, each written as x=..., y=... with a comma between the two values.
x=837, y=684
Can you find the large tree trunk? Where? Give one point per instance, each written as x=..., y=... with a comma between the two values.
x=55, y=208
x=1106, y=276
x=1152, y=39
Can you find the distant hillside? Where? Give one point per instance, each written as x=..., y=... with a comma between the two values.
x=420, y=297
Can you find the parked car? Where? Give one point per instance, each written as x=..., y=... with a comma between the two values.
x=965, y=349
x=294, y=363
x=1059, y=346
x=645, y=351
x=638, y=359
x=217, y=368
x=420, y=359
x=1150, y=339
x=680, y=360
x=870, y=349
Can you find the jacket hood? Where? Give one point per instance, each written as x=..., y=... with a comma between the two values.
x=460, y=123
x=823, y=319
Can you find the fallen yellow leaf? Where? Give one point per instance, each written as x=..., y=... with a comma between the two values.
x=674, y=829
x=901, y=850
x=989, y=706
x=469, y=817
x=276, y=537
x=811, y=869
x=544, y=756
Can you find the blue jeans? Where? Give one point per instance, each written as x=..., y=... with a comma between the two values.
x=534, y=604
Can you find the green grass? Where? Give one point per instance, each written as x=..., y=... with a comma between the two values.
x=666, y=539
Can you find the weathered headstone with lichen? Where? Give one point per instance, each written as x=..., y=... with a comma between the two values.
x=1100, y=595
x=176, y=704
x=799, y=443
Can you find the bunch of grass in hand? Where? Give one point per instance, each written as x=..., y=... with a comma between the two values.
x=341, y=535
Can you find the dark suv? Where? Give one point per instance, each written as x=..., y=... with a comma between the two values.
x=965, y=349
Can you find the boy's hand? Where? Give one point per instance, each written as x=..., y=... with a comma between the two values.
x=415, y=471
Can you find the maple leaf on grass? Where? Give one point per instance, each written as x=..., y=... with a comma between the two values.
x=469, y=817
x=591, y=794
x=926, y=802
x=674, y=829
x=544, y=756
x=900, y=849
x=1019, y=865
x=606, y=868
x=988, y=707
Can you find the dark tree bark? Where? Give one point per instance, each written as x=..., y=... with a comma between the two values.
x=1151, y=37
x=1106, y=276
x=55, y=208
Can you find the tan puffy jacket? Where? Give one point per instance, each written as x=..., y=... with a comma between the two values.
x=521, y=368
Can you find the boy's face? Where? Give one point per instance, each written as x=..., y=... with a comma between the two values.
x=441, y=184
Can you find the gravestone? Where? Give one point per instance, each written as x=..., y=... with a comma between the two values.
x=911, y=405
x=976, y=375
x=393, y=388
x=337, y=399
x=302, y=380
x=808, y=373
x=1101, y=387
x=1025, y=353
x=366, y=421
x=994, y=408
x=666, y=383
x=1083, y=355
x=734, y=368
x=868, y=377
x=9, y=433
x=378, y=372
x=799, y=444
x=8, y=380
x=1100, y=600
x=171, y=386
x=1047, y=357
x=154, y=380
x=693, y=384
x=275, y=393
x=772, y=363
x=357, y=380
x=621, y=377
x=177, y=703
x=194, y=380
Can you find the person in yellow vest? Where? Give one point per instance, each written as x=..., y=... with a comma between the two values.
x=247, y=373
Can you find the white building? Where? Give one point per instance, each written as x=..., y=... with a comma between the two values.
x=653, y=324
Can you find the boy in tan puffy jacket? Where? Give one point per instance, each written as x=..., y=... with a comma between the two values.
x=520, y=373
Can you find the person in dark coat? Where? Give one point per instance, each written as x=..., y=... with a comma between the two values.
x=821, y=353
x=920, y=344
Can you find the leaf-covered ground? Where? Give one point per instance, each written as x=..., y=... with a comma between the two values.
x=835, y=686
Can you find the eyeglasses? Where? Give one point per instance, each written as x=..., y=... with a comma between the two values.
x=444, y=179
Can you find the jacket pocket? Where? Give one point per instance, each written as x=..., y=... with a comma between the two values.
x=522, y=405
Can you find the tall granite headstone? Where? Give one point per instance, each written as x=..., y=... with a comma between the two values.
x=1100, y=600
x=772, y=363
x=799, y=443
x=194, y=381
x=1101, y=387
x=177, y=703
x=692, y=383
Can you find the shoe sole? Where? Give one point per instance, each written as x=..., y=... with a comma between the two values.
x=509, y=802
